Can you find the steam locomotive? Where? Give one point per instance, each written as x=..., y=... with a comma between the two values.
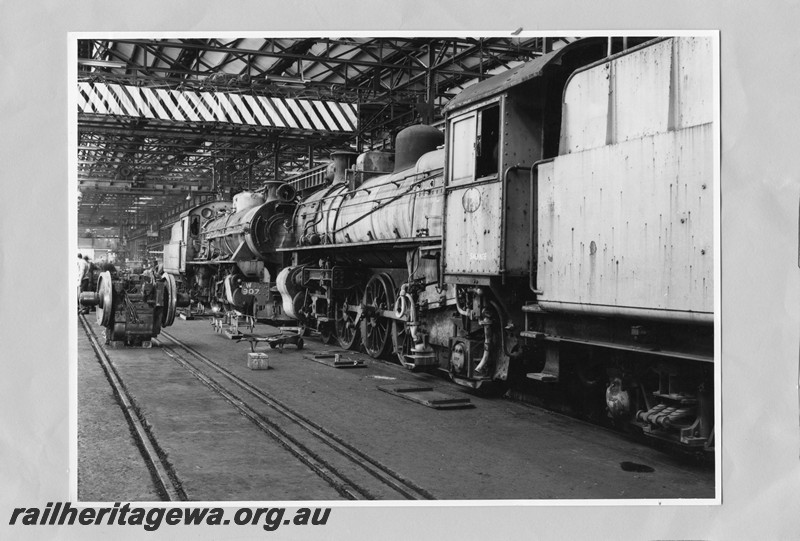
x=223, y=252
x=558, y=234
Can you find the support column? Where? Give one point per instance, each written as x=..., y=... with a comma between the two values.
x=430, y=86
x=276, y=162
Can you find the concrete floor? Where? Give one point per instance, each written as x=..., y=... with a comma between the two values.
x=110, y=466
x=498, y=450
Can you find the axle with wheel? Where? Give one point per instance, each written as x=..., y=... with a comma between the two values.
x=133, y=311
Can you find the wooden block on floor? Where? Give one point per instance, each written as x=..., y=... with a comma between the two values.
x=258, y=361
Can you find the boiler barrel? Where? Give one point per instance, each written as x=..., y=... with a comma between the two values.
x=385, y=207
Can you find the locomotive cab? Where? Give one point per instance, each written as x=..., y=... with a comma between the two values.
x=496, y=131
x=186, y=235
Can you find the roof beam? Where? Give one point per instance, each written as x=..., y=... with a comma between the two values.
x=256, y=52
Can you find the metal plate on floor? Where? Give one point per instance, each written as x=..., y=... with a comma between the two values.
x=428, y=396
x=335, y=360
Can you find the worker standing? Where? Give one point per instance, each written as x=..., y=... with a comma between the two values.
x=83, y=280
x=154, y=271
x=90, y=273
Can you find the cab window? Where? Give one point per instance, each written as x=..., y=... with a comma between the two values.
x=194, y=227
x=475, y=145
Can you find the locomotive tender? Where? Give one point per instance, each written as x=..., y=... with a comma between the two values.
x=558, y=234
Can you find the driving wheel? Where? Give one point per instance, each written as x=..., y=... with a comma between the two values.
x=375, y=327
x=347, y=332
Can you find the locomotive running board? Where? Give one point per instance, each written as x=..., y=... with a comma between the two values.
x=335, y=360
x=428, y=396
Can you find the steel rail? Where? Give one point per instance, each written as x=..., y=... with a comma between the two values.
x=344, y=486
x=164, y=476
x=369, y=465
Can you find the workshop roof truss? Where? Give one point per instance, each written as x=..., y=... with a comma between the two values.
x=135, y=168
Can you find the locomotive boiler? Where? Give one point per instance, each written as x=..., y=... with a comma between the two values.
x=387, y=212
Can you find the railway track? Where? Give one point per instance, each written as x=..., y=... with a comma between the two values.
x=163, y=475
x=352, y=473
x=316, y=456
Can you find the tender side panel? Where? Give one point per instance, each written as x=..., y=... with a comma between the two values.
x=584, y=123
x=693, y=82
x=629, y=225
x=640, y=93
x=667, y=86
x=625, y=214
